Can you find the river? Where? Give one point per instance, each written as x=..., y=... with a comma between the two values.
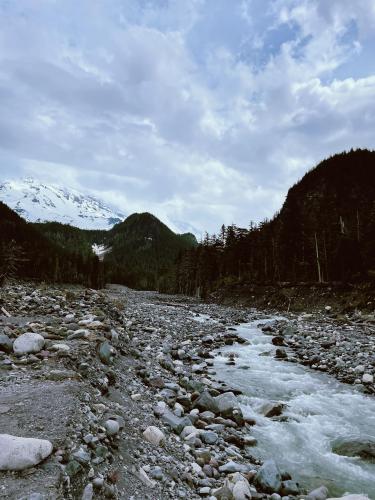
x=320, y=412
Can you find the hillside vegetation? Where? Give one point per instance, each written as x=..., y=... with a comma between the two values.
x=26, y=252
x=324, y=232
x=142, y=251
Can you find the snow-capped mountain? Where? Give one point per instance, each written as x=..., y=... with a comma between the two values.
x=39, y=202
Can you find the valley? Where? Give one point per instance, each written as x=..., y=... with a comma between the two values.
x=144, y=395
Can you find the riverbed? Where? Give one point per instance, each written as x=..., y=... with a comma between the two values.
x=320, y=411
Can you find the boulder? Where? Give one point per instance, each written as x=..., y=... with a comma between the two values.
x=88, y=492
x=209, y=437
x=367, y=378
x=362, y=449
x=154, y=436
x=205, y=402
x=289, y=487
x=270, y=410
x=231, y=467
x=241, y=491
x=106, y=352
x=29, y=342
x=6, y=345
x=351, y=497
x=226, y=403
x=177, y=424
x=320, y=493
x=19, y=453
x=112, y=427
x=268, y=478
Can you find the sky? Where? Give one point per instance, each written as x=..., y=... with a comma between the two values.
x=199, y=111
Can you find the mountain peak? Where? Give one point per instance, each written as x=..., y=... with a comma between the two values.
x=41, y=202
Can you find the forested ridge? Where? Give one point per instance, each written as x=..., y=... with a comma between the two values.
x=26, y=252
x=142, y=252
x=324, y=232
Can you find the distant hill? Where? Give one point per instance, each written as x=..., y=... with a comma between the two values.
x=143, y=251
x=26, y=252
x=325, y=231
x=140, y=252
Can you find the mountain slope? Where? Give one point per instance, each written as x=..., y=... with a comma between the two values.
x=143, y=252
x=27, y=253
x=39, y=202
x=325, y=232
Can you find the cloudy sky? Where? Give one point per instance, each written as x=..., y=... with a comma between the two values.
x=202, y=111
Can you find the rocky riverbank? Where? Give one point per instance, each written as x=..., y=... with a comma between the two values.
x=343, y=347
x=112, y=395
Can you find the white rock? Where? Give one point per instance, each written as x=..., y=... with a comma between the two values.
x=60, y=348
x=359, y=369
x=241, y=491
x=351, y=497
x=189, y=430
x=226, y=402
x=28, y=343
x=18, y=453
x=320, y=493
x=112, y=427
x=154, y=436
x=145, y=479
x=88, y=492
x=367, y=378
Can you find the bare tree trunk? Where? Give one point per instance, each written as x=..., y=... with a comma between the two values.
x=317, y=259
x=325, y=257
x=357, y=225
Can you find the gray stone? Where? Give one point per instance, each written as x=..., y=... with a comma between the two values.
x=367, y=378
x=268, y=478
x=231, y=467
x=226, y=403
x=112, y=427
x=241, y=491
x=272, y=409
x=29, y=342
x=320, y=493
x=205, y=402
x=362, y=449
x=157, y=473
x=88, y=492
x=154, y=436
x=19, y=453
x=209, y=437
x=82, y=456
x=289, y=487
x=106, y=353
x=177, y=424
x=6, y=345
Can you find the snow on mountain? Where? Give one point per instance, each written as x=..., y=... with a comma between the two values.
x=184, y=227
x=39, y=202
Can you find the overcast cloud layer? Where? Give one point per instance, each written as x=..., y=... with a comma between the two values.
x=203, y=111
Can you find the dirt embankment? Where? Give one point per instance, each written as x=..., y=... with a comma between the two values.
x=303, y=297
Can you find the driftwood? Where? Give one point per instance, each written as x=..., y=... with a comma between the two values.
x=5, y=312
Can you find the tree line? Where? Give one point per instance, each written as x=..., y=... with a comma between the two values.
x=325, y=232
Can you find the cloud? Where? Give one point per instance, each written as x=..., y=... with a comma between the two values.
x=203, y=111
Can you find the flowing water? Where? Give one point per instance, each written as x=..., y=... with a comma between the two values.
x=321, y=410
